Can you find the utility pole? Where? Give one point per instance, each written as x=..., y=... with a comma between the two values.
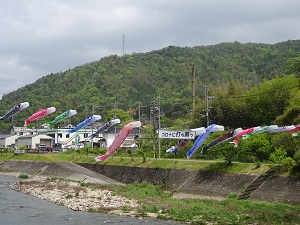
x=207, y=98
x=152, y=110
x=155, y=120
x=193, y=91
x=140, y=108
x=115, y=115
x=85, y=136
x=159, y=114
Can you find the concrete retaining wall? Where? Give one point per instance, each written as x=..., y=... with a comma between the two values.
x=208, y=183
x=64, y=170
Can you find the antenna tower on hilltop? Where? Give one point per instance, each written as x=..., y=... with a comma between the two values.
x=123, y=44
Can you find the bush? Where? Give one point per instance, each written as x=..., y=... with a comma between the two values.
x=287, y=142
x=69, y=196
x=280, y=156
x=257, y=148
x=297, y=157
x=24, y=176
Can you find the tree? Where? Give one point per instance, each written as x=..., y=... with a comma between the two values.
x=270, y=99
x=256, y=148
x=294, y=65
x=290, y=116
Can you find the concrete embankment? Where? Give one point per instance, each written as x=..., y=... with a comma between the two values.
x=64, y=170
x=206, y=183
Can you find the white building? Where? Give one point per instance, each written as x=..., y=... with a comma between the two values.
x=7, y=141
x=33, y=141
x=58, y=139
x=130, y=141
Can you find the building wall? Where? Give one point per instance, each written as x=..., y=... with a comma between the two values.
x=6, y=141
x=2, y=143
x=27, y=142
x=11, y=140
x=41, y=139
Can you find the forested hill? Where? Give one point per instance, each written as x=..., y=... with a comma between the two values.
x=116, y=83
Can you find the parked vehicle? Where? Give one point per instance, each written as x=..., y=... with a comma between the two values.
x=42, y=147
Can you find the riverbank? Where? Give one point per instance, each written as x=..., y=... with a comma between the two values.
x=204, y=183
x=19, y=208
x=159, y=204
x=161, y=201
x=76, y=196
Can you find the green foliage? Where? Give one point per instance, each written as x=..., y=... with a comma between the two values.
x=291, y=115
x=294, y=65
x=286, y=142
x=229, y=108
x=255, y=148
x=24, y=176
x=279, y=157
x=202, y=211
x=69, y=196
x=233, y=103
x=119, y=84
x=229, y=152
x=271, y=98
x=297, y=157
x=23, y=147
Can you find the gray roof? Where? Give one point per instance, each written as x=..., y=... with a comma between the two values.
x=6, y=136
x=32, y=135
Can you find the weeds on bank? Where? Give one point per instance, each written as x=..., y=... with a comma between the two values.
x=23, y=176
x=196, y=211
x=162, y=163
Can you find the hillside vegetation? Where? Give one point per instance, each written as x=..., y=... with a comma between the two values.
x=119, y=84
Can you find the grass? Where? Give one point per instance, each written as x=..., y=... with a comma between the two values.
x=195, y=211
x=183, y=164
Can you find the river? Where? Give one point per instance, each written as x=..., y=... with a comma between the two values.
x=17, y=208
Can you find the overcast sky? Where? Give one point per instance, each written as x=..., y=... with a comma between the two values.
x=38, y=37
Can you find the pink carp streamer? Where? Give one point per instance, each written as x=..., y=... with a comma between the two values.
x=244, y=132
x=39, y=114
x=295, y=129
x=118, y=141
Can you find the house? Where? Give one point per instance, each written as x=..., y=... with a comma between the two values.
x=109, y=136
x=8, y=140
x=33, y=141
x=61, y=139
x=58, y=139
